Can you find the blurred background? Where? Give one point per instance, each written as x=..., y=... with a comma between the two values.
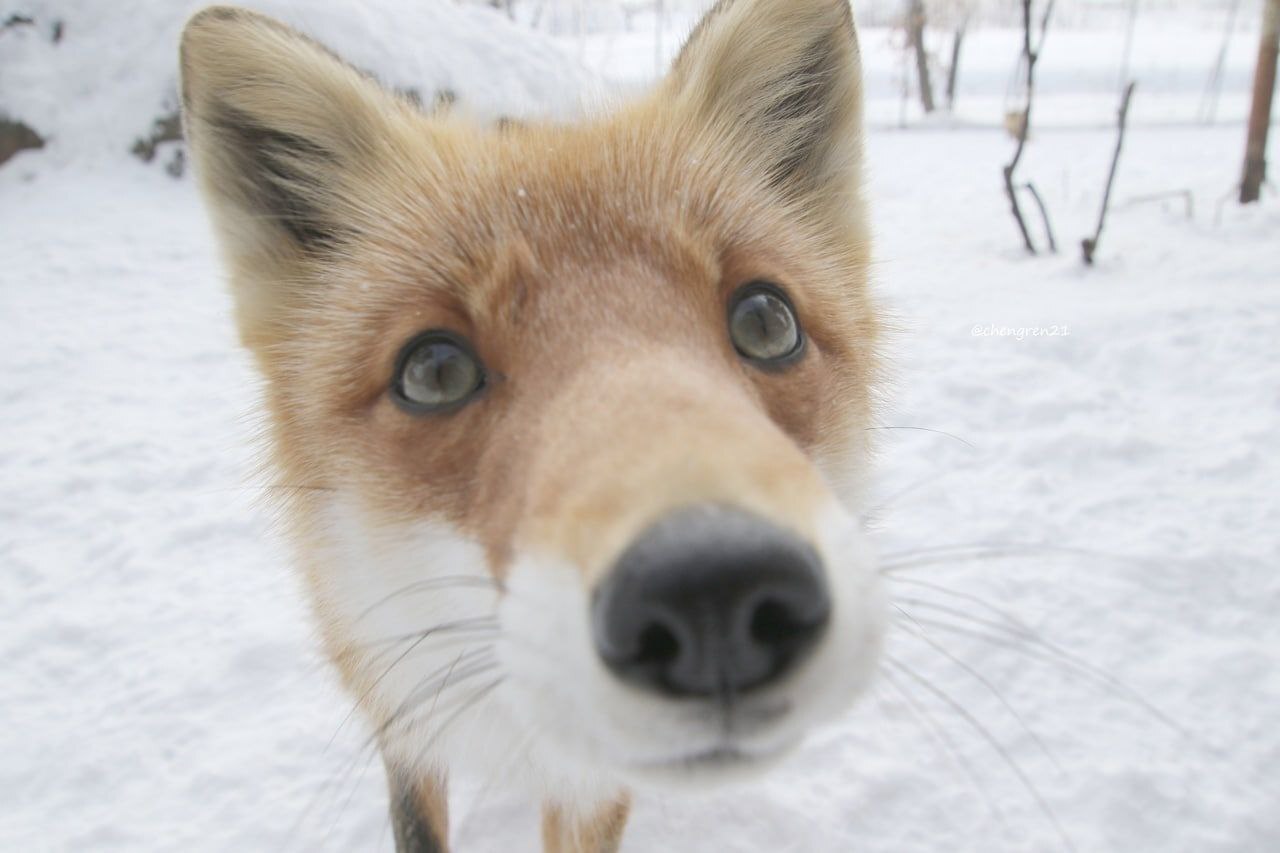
x=1075, y=493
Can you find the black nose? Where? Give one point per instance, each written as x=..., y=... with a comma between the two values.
x=710, y=601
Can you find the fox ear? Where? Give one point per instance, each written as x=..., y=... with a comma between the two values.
x=782, y=79
x=283, y=134
x=277, y=123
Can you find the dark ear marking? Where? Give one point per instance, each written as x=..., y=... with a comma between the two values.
x=812, y=107
x=781, y=78
x=276, y=172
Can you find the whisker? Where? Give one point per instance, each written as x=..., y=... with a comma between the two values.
x=1002, y=613
x=371, y=747
x=268, y=487
x=1041, y=649
x=993, y=742
x=444, y=684
x=942, y=740
x=889, y=502
x=367, y=692
x=332, y=786
x=913, y=558
x=431, y=584
x=416, y=699
x=476, y=629
x=355, y=786
x=1015, y=627
x=478, y=696
x=479, y=624
x=941, y=432
x=372, y=743
x=907, y=615
x=519, y=753
x=991, y=688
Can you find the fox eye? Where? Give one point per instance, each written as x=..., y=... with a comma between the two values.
x=764, y=326
x=436, y=372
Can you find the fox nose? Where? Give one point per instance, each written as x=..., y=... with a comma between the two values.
x=710, y=601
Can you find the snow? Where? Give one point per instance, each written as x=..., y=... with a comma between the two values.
x=115, y=70
x=1078, y=74
x=161, y=688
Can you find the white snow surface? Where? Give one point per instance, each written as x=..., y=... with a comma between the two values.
x=115, y=70
x=160, y=684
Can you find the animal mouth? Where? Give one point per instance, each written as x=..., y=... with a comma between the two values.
x=728, y=754
x=718, y=757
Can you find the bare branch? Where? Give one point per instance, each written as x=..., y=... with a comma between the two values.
x=1029, y=57
x=1044, y=216
x=1090, y=244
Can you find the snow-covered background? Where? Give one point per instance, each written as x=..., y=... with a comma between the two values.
x=1115, y=487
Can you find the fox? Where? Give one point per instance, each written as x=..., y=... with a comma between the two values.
x=569, y=419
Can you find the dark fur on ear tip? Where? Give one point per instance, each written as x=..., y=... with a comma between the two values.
x=273, y=177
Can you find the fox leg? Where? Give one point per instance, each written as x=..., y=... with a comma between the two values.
x=419, y=813
x=598, y=832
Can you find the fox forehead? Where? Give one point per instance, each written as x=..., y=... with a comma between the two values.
x=461, y=209
x=623, y=224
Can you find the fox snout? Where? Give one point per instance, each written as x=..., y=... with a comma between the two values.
x=710, y=602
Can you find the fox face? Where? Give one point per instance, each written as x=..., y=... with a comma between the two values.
x=568, y=420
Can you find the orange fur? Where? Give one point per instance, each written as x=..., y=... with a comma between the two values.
x=600, y=832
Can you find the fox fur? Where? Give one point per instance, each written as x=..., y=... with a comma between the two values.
x=450, y=558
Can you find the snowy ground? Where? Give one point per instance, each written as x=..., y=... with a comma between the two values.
x=159, y=685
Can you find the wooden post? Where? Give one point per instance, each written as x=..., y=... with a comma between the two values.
x=1264, y=85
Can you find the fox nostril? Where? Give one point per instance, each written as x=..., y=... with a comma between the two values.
x=773, y=622
x=658, y=646
x=710, y=599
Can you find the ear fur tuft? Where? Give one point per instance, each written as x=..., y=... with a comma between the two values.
x=277, y=123
x=283, y=135
x=781, y=81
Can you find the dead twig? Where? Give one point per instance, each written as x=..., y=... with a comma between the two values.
x=1044, y=216
x=1089, y=245
x=1030, y=55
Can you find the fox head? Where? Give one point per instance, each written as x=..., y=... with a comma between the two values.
x=570, y=418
